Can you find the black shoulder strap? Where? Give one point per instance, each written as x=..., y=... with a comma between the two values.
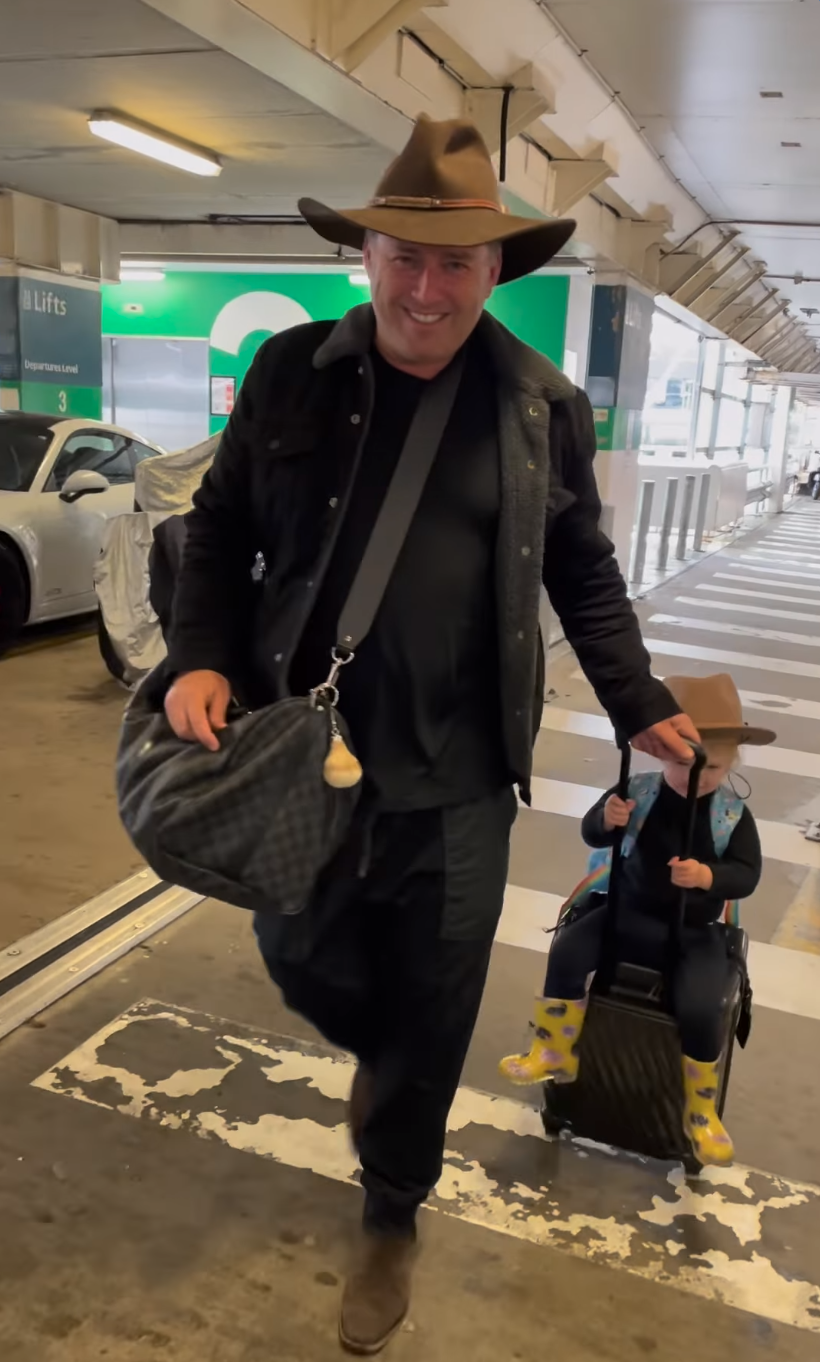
x=399, y=507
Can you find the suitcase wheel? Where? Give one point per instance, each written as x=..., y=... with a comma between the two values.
x=553, y=1125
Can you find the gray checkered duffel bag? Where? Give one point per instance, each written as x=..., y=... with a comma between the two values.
x=256, y=822
x=252, y=824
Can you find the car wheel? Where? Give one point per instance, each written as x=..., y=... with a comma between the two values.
x=108, y=652
x=13, y=597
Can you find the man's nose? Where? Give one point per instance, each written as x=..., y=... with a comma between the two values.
x=424, y=287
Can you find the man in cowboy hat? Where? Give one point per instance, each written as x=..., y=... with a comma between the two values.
x=445, y=698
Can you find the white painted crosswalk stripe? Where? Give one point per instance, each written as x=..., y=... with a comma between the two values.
x=784, y=554
x=751, y=564
x=738, y=630
x=779, y=841
x=728, y=658
x=775, y=705
x=784, y=980
x=786, y=761
x=298, y=1119
x=802, y=616
x=770, y=581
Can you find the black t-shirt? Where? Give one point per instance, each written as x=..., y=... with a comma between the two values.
x=422, y=695
x=647, y=885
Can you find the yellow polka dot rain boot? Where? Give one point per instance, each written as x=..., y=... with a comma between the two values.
x=711, y=1143
x=554, y=1051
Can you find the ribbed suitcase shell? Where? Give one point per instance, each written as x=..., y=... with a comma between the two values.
x=629, y=1091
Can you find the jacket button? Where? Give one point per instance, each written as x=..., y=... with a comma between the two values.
x=531, y=465
x=534, y=411
x=274, y=444
x=355, y=419
x=361, y=369
x=277, y=657
x=333, y=503
x=525, y=552
x=521, y=635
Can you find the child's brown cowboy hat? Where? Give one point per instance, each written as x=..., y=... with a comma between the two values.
x=442, y=191
x=714, y=706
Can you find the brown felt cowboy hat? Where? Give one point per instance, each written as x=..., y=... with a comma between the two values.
x=442, y=191
x=714, y=706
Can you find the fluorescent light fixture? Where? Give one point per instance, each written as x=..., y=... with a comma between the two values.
x=360, y=279
x=126, y=132
x=141, y=276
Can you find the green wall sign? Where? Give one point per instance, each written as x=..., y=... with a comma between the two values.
x=51, y=346
x=235, y=312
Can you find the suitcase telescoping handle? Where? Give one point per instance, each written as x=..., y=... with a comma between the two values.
x=690, y=819
x=608, y=961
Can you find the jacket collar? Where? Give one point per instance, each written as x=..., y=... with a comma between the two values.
x=516, y=362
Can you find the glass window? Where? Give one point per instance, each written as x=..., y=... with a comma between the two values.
x=23, y=446
x=90, y=451
x=704, y=430
x=711, y=359
x=730, y=423
x=671, y=386
x=140, y=452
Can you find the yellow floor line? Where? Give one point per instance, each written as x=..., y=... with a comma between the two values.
x=800, y=927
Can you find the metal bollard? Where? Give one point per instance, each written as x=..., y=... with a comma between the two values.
x=686, y=515
x=666, y=526
x=703, y=506
x=644, y=519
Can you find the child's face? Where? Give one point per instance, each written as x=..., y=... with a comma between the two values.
x=718, y=765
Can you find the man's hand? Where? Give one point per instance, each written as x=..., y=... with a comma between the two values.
x=691, y=874
x=669, y=740
x=197, y=705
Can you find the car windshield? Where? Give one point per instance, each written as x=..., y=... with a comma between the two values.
x=22, y=449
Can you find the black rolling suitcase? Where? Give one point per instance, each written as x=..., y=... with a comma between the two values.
x=629, y=1091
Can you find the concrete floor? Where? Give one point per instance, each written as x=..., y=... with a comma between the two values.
x=175, y=1185
x=62, y=842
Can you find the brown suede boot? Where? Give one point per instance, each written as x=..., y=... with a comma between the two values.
x=377, y=1294
x=361, y=1096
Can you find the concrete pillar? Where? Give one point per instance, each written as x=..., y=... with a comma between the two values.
x=50, y=344
x=579, y=327
x=54, y=259
x=616, y=383
x=779, y=448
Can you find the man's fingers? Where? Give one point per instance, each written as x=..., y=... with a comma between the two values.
x=218, y=709
x=200, y=726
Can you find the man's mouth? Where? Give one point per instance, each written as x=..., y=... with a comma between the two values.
x=426, y=318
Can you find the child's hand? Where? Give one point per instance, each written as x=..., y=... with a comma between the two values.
x=617, y=812
x=690, y=874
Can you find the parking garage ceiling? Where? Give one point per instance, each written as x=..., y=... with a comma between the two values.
x=727, y=93
x=60, y=61
x=722, y=91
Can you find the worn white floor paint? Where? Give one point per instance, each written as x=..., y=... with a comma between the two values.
x=732, y=1260
x=780, y=841
x=527, y=916
x=787, y=761
x=812, y=588
x=740, y=608
x=724, y=657
x=738, y=631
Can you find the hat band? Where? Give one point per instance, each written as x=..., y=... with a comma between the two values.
x=409, y=201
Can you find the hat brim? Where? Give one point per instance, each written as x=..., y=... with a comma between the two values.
x=742, y=734
x=528, y=243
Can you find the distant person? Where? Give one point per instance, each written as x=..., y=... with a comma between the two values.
x=444, y=699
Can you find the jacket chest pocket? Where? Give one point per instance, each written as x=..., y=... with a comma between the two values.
x=293, y=502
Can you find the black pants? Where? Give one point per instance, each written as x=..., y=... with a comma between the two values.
x=390, y=963
x=698, y=983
